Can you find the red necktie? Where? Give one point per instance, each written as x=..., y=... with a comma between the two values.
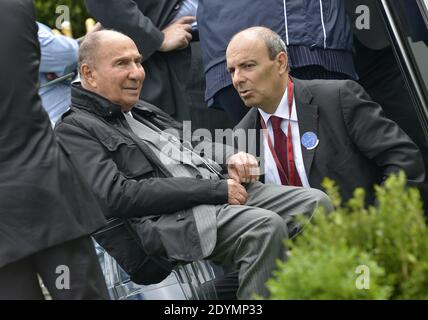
x=280, y=147
x=283, y=148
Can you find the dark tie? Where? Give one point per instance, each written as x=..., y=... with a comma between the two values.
x=280, y=146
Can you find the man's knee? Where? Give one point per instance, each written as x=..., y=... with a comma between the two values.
x=276, y=225
x=322, y=200
x=314, y=199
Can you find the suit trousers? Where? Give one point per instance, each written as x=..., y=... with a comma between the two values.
x=69, y=271
x=250, y=237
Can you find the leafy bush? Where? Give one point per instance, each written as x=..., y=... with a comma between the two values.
x=390, y=238
x=46, y=13
x=327, y=274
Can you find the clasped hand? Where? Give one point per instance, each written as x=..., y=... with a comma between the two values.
x=242, y=168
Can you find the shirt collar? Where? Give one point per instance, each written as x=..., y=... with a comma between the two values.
x=128, y=114
x=282, y=110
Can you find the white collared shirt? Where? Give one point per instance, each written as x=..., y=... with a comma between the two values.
x=271, y=171
x=128, y=114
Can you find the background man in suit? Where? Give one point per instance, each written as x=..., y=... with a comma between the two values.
x=379, y=72
x=162, y=33
x=184, y=209
x=46, y=210
x=335, y=130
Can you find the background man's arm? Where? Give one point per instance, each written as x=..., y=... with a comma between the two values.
x=58, y=53
x=378, y=137
x=126, y=17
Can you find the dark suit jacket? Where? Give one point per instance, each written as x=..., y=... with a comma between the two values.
x=42, y=203
x=358, y=146
x=166, y=73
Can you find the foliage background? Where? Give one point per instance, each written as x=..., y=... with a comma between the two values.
x=45, y=13
x=391, y=239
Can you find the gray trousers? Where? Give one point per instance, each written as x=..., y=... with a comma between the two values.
x=250, y=237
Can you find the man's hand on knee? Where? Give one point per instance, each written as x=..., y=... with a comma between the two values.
x=243, y=168
x=236, y=192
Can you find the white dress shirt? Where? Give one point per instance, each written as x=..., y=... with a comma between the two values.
x=271, y=171
x=128, y=114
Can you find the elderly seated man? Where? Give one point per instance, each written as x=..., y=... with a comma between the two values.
x=186, y=209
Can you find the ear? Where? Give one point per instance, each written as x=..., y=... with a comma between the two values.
x=282, y=61
x=88, y=75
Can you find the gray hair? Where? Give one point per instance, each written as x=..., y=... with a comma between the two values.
x=90, y=44
x=273, y=42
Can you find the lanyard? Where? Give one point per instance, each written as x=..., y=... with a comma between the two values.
x=291, y=179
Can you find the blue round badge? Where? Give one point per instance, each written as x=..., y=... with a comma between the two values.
x=309, y=140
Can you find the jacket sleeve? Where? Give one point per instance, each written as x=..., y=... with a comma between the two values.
x=126, y=17
x=126, y=197
x=379, y=138
x=59, y=53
